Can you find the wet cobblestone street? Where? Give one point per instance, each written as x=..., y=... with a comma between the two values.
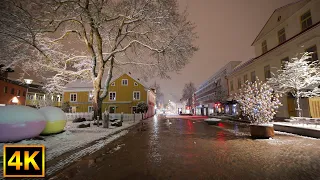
x=188, y=148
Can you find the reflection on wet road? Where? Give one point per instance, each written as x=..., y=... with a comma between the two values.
x=188, y=148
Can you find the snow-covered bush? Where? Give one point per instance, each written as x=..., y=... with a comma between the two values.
x=258, y=101
x=300, y=77
x=142, y=107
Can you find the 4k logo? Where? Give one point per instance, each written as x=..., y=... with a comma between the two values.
x=23, y=161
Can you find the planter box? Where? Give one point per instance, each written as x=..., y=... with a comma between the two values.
x=304, y=131
x=261, y=131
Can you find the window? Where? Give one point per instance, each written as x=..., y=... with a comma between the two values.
x=306, y=20
x=314, y=54
x=12, y=91
x=73, y=97
x=136, y=95
x=18, y=92
x=90, y=108
x=112, y=109
x=135, y=84
x=40, y=97
x=30, y=96
x=264, y=47
x=267, y=73
x=253, y=76
x=5, y=89
x=231, y=85
x=24, y=94
x=245, y=78
x=282, y=36
x=239, y=83
x=284, y=61
x=134, y=109
x=113, y=84
x=124, y=82
x=112, y=96
x=90, y=96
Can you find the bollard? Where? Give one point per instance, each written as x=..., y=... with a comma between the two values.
x=105, y=120
x=98, y=118
x=121, y=117
x=134, y=116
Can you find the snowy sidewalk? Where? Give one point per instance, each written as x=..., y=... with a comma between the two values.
x=75, y=138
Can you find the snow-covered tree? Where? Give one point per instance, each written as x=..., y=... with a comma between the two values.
x=187, y=93
x=68, y=40
x=220, y=95
x=300, y=77
x=258, y=101
x=159, y=94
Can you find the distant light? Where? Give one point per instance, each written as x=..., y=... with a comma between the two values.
x=28, y=81
x=15, y=100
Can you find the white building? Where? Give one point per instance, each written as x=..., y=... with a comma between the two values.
x=210, y=93
x=290, y=30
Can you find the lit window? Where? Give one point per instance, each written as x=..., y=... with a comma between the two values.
x=113, y=84
x=239, y=83
x=284, y=61
x=136, y=95
x=267, y=73
x=245, y=78
x=112, y=96
x=90, y=108
x=90, y=96
x=73, y=97
x=264, y=47
x=314, y=55
x=124, y=82
x=253, y=76
x=231, y=85
x=282, y=36
x=135, y=84
x=306, y=20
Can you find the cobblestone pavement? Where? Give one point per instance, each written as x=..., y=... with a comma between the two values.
x=186, y=148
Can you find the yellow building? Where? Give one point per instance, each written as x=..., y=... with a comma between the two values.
x=123, y=96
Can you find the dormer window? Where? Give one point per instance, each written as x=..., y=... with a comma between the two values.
x=264, y=47
x=124, y=82
x=113, y=84
x=306, y=20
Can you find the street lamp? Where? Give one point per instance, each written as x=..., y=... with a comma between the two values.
x=28, y=82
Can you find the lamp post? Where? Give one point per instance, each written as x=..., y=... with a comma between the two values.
x=28, y=82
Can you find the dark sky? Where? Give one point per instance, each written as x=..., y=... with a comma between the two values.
x=226, y=29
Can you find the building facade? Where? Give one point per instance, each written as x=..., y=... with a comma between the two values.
x=12, y=92
x=211, y=96
x=124, y=93
x=290, y=30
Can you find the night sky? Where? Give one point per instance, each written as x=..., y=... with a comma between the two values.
x=226, y=30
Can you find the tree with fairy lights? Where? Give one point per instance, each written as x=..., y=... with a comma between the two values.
x=258, y=102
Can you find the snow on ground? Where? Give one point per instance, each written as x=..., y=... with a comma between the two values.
x=72, y=138
x=87, y=151
x=212, y=119
x=308, y=126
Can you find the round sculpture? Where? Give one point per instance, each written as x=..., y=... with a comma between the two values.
x=20, y=122
x=56, y=119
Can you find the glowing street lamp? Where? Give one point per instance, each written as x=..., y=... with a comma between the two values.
x=28, y=82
